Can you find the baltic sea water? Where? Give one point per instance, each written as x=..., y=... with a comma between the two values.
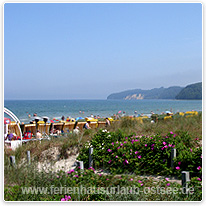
x=103, y=108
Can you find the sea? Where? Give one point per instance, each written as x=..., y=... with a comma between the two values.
x=104, y=108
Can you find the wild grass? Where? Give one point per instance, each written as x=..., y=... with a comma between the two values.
x=192, y=125
x=62, y=143
x=28, y=175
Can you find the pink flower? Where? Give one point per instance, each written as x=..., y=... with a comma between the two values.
x=136, y=152
x=179, y=163
x=126, y=161
x=198, y=179
x=109, y=150
x=190, y=150
x=152, y=145
x=112, y=143
x=117, y=142
x=164, y=143
x=171, y=132
x=139, y=156
x=118, y=147
x=76, y=175
x=100, y=175
x=177, y=168
x=173, y=146
x=145, y=145
x=125, y=142
x=139, y=181
x=142, y=184
x=152, y=148
x=109, y=161
x=121, y=144
x=91, y=168
x=199, y=168
x=116, y=156
x=131, y=179
x=162, y=148
x=126, y=137
x=167, y=179
x=107, y=179
x=165, y=146
x=168, y=184
x=170, y=145
x=70, y=171
x=66, y=198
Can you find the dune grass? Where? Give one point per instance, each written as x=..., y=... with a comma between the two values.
x=192, y=125
x=25, y=175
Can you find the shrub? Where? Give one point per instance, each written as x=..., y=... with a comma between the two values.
x=142, y=154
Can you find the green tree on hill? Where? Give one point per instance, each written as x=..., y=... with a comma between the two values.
x=192, y=91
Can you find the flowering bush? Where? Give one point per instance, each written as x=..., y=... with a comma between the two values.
x=189, y=160
x=101, y=144
x=91, y=186
x=121, y=153
x=196, y=185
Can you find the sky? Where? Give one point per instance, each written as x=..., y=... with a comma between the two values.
x=88, y=50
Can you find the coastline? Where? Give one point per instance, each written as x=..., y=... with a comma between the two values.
x=103, y=108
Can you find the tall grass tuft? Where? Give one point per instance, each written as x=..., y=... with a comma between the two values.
x=192, y=125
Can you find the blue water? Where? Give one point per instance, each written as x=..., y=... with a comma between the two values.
x=103, y=108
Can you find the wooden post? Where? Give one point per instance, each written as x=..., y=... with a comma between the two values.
x=12, y=161
x=28, y=157
x=185, y=180
x=173, y=155
x=81, y=164
x=90, y=157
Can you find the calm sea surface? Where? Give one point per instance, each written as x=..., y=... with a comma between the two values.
x=104, y=108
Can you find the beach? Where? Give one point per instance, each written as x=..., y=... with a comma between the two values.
x=103, y=108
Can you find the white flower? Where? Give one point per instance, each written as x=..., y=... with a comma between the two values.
x=109, y=135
